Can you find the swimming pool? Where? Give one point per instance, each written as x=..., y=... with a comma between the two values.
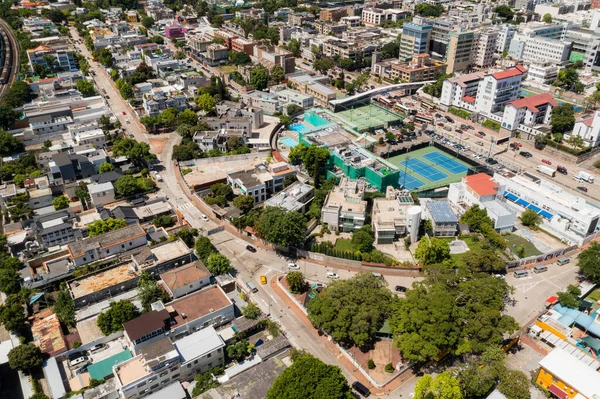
x=299, y=127
x=290, y=142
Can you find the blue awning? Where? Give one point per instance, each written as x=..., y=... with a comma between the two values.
x=534, y=208
x=510, y=196
x=35, y=297
x=522, y=202
x=547, y=215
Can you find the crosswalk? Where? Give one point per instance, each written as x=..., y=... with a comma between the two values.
x=187, y=205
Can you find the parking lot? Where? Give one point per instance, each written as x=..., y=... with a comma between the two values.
x=112, y=348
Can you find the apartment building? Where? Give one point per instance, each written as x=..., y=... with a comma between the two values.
x=460, y=47
x=544, y=73
x=390, y=218
x=588, y=128
x=159, y=100
x=420, y=68
x=528, y=111
x=300, y=18
x=348, y=49
x=505, y=35
x=484, y=47
x=296, y=197
x=378, y=16
x=312, y=87
x=101, y=193
x=497, y=89
x=260, y=181
x=414, y=40
x=344, y=208
x=461, y=91
x=332, y=14
x=55, y=228
x=269, y=56
x=443, y=220
x=351, y=22
x=200, y=352
x=63, y=58
x=539, y=49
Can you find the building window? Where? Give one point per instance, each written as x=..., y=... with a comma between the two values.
x=209, y=355
x=141, y=384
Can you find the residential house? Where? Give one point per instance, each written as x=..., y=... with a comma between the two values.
x=296, y=197
x=588, y=128
x=344, y=208
x=101, y=193
x=185, y=279
x=200, y=352
x=443, y=220
x=390, y=218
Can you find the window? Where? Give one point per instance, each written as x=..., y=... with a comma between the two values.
x=153, y=387
x=163, y=374
x=196, y=361
x=85, y=259
x=209, y=355
x=141, y=384
x=175, y=376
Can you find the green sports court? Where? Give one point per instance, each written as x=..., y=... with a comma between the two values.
x=428, y=168
x=368, y=117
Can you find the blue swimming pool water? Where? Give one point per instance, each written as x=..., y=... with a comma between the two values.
x=290, y=142
x=299, y=127
x=315, y=119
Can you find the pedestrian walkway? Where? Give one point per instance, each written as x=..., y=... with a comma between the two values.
x=187, y=205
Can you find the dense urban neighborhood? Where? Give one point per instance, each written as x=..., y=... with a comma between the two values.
x=300, y=199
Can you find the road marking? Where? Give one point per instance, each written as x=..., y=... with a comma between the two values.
x=187, y=205
x=526, y=287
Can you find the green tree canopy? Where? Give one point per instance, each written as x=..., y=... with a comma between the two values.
x=323, y=65
x=294, y=47
x=7, y=119
x=147, y=22
x=390, y=50
x=443, y=386
x=588, y=262
x=296, y=282
x=531, y=218
x=428, y=10
x=259, y=77
x=218, y=264
x=277, y=74
x=118, y=313
x=362, y=239
x=514, y=384
x=18, y=94
x=186, y=152
x=351, y=310
x=61, y=202
x=484, y=260
x=106, y=167
x=137, y=152
x=204, y=248
x=281, y=227
x=244, y=203
x=104, y=226
x=251, y=311
x=504, y=12
x=64, y=308
x=432, y=250
x=206, y=102
x=563, y=118
x=435, y=89
x=187, y=117
x=309, y=377
x=569, y=298
x=149, y=291
x=86, y=88
x=12, y=314
x=25, y=357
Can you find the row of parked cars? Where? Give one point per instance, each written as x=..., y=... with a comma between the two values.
x=80, y=362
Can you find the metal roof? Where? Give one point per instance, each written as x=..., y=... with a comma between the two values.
x=440, y=212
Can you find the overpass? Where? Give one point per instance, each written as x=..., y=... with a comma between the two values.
x=344, y=103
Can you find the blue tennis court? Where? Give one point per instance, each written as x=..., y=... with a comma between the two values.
x=445, y=162
x=424, y=170
x=409, y=182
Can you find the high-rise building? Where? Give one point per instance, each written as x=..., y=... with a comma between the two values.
x=496, y=89
x=415, y=40
x=458, y=56
x=484, y=48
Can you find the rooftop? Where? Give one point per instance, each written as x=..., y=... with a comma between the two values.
x=132, y=370
x=198, y=344
x=510, y=72
x=462, y=80
x=162, y=253
x=173, y=391
x=440, y=212
x=104, y=368
x=573, y=372
x=95, y=188
x=102, y=280
x=129, y=232
x=482, y=184
x=289, y=198
x=145, y=324
x=184, y=275
x=197, y=305
x=47, y=333
x=533, y=102
x=158, y=352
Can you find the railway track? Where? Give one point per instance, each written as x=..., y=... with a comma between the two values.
x=9, y=57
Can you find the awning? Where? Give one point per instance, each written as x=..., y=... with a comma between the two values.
x=545, y=214
x=510, y=196
x=35, y=297
x=534, y=208
x=556, y=391
x=552, y=299
x=522, y=202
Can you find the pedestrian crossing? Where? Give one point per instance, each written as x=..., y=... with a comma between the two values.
x=187, y=205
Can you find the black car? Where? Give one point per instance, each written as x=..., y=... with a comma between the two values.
x=250, y=248
x=459, y=131
x=481, y=133
x=438, y=115
x=491, y=161
x=361, y=389
x=582, y=188
x=449, y=119
x=400, y=288
x=561, y=169
x=525, y=154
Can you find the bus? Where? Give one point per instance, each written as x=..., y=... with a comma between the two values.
x=404, y=110
x=429, y=107
x=422, y=118
x=384, y=101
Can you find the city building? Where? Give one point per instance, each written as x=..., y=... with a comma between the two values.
x=344, y=208
x=260, y=181
x=310, y=86
x=588, y=128
x=461, y=91
x=185, y=279
x=200, y=352
x=484, y=48
x=147, y=328
x=269, y=56
x=296, y=197
x=443, y=220
x=414, y=40
x=497, y=89
x=390, y=218
x=544, y=73
x=107, y=283
x=505, y=35
x=160, y=100
x=459, y=53
x=63, y=58
x=101, y=193
x=539, y=49
x=528, y=111
x=55, y=228
x=268, y=102
x=332, y=14
x=420, y=68
x=481, y=190
x=174, y=31
x=288, y=97
x=378, y=16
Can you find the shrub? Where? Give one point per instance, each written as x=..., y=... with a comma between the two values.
x=597, y=164
x=491, y=124
x=76, y=344
x=460, y=112
x=389, y=368
x=370, y=364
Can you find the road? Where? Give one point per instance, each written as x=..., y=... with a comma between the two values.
x=14, y=45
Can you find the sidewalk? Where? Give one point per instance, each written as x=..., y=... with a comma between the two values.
x=343, y=361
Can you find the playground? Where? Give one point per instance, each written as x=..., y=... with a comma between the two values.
x=368, y=117
x=427, y=168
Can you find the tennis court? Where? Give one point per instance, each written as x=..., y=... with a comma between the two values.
x=428, y=172
x=409, y=182
x=446, y=162
x=368, y=117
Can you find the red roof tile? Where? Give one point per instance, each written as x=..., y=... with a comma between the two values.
x=482, y=184
x=509, y=73
x=534, y=101
x=469, y=99
x=559, y=393
x=588, y=121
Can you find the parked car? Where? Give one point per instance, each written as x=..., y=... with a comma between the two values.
x=293, y=266
x=582, y=188
x=400, y=288
x=204, y=217
x=491, y=161
x=525, y=154
x=561, y=169
x=80, y=361
x=480, y=143
x=98, y=348
x=332, y=275
x=124, y=113
x=449, y=119
x=547, y=162
x=361, y=389
x=250, y=248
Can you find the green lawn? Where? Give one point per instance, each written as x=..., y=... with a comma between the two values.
x=595, y=295
x=343, y=244
x=473, y=246
x=514, y=241
x=227, y=69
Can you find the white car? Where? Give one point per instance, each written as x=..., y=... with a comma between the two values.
x=203, y=217
x=293, y=266
x=332, y=275
x=80, y=361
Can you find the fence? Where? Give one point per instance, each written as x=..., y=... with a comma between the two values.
x=537, y=259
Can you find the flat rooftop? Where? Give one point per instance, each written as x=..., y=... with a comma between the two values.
x=197, y=305
x=102, y=280
x=390, y=212
x=132, y=370
x=172, y=250
x=210, y=170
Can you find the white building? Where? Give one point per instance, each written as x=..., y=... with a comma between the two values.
x=498, y=88
x=539, y=49
x=461, y=91
x=101, y=193
x=390, y=218
x=200, y=352
x=344, y=208
x=588, y=127
x=484, y=48
x=296, y=197
x=528, y=111
x=544, y=73
x=505, y=35
x=481, y=190
x=444, y=221
x=565, y=215
x=377, y=16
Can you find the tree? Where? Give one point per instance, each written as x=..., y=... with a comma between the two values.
x=147, y=22
x=435, y=89
x=106, y=167
x=186, y=151
x=206, y=102
x=118, y=313
x=218, y=264
x=427, y=10
x=251, y=311
x=9, y=281
x=18, y=94
x=390, y=50
x=531, y=218
x=149, y=291
x=588, y=262
x=187, y=117
x=157, y=40
x=64, y=308
x=204, y=382
x=61, y=202
x=25, y=357
x=323, y=65
x=351, y=310
x=285, y=120
x=204, y=248
x=432, y=250
x=9, y=144
x=514, y=384
x=104, y=226
x=126, y=91
x=259, y=77
x=222, y=189
x=296, y=282
x=281, y=227
x=162, y=221
x=126, y=186
x=238, y=351
x=12, y=315
x=277, y=74
x=293, y=109
x=504, y=12
x=294, y=47
x=547, y=18
x=484, y=260
x=570, y=297
x=476, y=218
x=309, y=377
x=86, y=88
x=314, y=160
x=443, y=386
x=362, y=239
x=346, y=63
x=7, y=119
x=241, y=58
x=244, y=203
x=187, y=236
x=105, y=58
x=563, y=118
x=576, y=141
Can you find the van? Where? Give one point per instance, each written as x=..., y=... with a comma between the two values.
x=540, y=269
x=563, y=261
x=360, y=388
x=521, y=273
x=251, y=286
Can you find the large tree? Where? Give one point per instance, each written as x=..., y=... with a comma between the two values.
x=25, y=357
x=362, y=239
x=12, y=314
x=206, y=102
x=138, y=152
x=118, y=313
x=244, y=203
x=86, y=88
x=484, y=260
x=531, y=218
x=309, y=377
x=323, y=65
x=64, y=308
x=204, y=248
x=432, y=250
x=351, y=310
x=9, y=144
x=281, y=227
x=18, y=94
x=514, y=384
x=588, y=262
x=149, y=291
x=563, y=118
x=443, y=386
x=259, y=77
x=218, y=264
x=296, y=281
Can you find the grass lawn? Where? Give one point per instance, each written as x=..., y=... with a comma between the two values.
x=227, y=68
x=343, y=244
x=514, y=241
x=472, y=244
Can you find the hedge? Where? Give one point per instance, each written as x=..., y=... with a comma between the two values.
x=460, y=112
x=491, y=124
x=374, y=256
x=569, y=150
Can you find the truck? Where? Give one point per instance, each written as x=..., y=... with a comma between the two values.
x=546, y=170
x=585, y=176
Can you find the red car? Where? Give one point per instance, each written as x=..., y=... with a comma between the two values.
x=124, y=113
x=440, y=124
x=546, y=162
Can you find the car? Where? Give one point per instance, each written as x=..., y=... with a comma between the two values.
x=561, y=169
x=438, y=115
x=131, y=135
x=128, y=121
x=525, y=154
x=582, y=188
x=124, y=113
x=400, y=288
x=204, y=217
x=546, y=161
x=97, y=348
x=293, y=266
x=479, y=143
x=491, y=161
x=250, y=248
x=449, y=119
x=361, y=389
x=458, y=131
x=333, y=275
x=481, y=133
x=80, y=361
x=440, y=124
x=263, y=279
